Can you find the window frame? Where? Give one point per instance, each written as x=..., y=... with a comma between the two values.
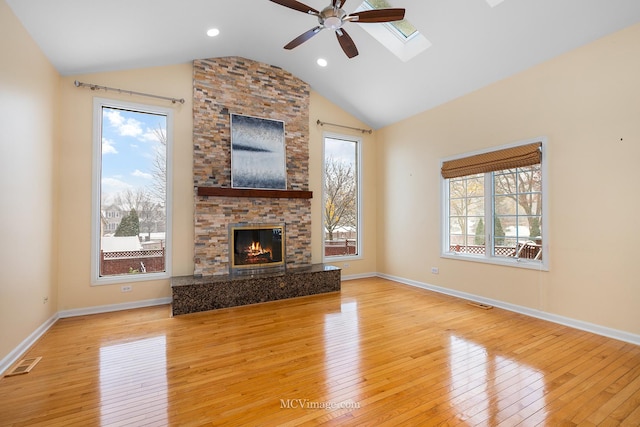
x=359, y=243
x=392, y=26
x=96, y=188
x=405, y=48
x=488, y=257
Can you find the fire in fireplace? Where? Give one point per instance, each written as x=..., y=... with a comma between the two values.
x=254, y=247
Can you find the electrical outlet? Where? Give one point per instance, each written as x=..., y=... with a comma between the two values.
x=126, y=288
x=345, y=265
x=45, y=300
x=435, y=270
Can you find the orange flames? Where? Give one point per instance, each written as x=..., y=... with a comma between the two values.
x=256, y=249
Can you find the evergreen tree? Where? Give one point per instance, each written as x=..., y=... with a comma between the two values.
x=129, y=225
x=534, y=228
x=479, y=239
x=498, y=232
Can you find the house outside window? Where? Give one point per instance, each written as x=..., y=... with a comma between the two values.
x=341, y=213
x=131, y=192
x=494, y=205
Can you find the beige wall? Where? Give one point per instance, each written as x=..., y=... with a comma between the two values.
x=28, y=183
x=586, y=104
x=76, y=116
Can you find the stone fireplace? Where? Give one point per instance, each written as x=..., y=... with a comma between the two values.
x=223, y=86
x=232, y=85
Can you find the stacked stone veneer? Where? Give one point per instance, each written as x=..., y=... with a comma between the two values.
x=222, y=86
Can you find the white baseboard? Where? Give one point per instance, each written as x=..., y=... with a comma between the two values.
x=17, y=352
x=113, y=307
x=566, y=321
x=357, y=276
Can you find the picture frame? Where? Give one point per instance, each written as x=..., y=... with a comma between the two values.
x=258, y=156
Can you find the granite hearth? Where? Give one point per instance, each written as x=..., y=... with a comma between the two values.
x=192, y=294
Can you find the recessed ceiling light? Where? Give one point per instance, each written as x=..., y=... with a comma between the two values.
x=322, y=62
x=213, y=32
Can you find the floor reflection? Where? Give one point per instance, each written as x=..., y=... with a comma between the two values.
x=133, y=382
x=488, y=389
x=342, y=355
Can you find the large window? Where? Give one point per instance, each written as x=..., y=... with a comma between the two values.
x=131, y=169
x=341, y=196
x=494, y=206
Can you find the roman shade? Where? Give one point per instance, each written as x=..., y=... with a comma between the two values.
x=520, y=156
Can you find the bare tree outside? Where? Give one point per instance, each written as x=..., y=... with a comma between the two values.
x=466, y=195
x=159, y=166
x=340, y=196
x=523, y=188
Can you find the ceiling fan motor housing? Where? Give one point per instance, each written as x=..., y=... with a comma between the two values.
x=332, y=17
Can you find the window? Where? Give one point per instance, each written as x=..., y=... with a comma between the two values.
x=404, y=28
x=131, y=192
x=400, y=37
x=494, y=206
x=341, y=196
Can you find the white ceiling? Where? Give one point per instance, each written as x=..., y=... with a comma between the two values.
x=473, y=44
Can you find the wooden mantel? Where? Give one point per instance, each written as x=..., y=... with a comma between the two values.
x=242, y=192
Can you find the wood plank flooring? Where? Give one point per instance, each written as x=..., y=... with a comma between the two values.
x=378, y=353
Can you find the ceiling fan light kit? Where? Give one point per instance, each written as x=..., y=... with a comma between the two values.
x=334, y=17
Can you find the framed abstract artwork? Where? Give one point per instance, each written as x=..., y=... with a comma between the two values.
x=258, y=157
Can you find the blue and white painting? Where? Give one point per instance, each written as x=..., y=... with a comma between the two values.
x=257, y=153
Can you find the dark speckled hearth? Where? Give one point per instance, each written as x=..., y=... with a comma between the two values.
x=192, y=294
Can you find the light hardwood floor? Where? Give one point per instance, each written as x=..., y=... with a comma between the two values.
x=378, y=353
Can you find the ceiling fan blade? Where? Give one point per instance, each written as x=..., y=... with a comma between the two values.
x=346, y=42
x=303, y=38
x=378, y=15
x=337, y=3
x=296, y=5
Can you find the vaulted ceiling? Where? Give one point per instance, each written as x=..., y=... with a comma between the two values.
x=473, y=44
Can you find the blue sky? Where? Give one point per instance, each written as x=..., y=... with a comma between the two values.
x=129, y=146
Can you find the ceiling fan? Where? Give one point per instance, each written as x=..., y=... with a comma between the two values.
x=334, y=17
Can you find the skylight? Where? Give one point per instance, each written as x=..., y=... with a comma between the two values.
x=404, y=27
x=400, y=37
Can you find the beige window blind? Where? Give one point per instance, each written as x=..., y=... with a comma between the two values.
x=520, y=156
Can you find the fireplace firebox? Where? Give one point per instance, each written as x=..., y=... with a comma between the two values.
x=256, y=248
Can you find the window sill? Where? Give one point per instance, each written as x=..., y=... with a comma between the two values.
x=339, y=258
x=507, y=262
x=129, y=278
